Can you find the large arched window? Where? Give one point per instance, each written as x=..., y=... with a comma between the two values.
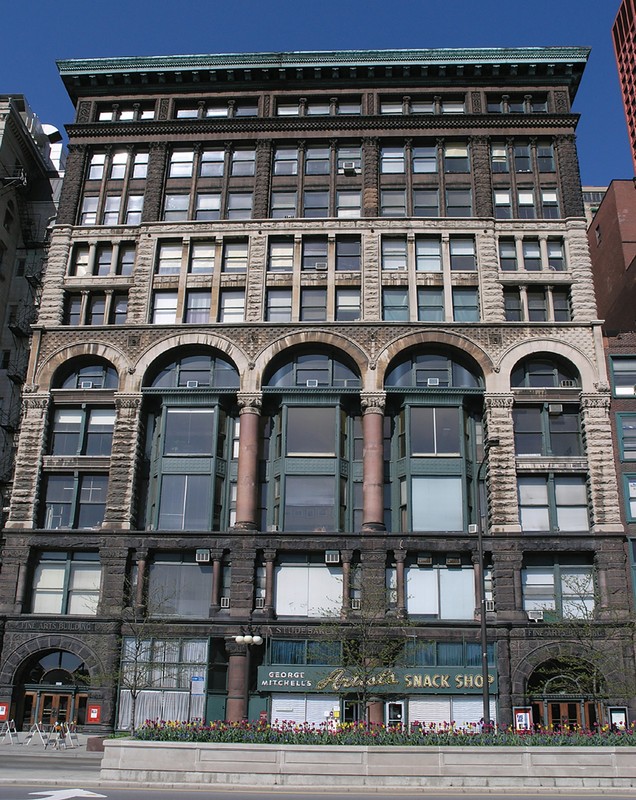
x=191, y=434
x=85, y=374
x=544, y=372
x=312, y=437
x=434, y=432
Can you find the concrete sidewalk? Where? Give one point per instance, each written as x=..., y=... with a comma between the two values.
x=35, y=764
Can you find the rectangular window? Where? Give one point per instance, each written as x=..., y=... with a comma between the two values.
x=103, y=260
x=66, y=583
x=182, y=588
x=428, y=254
x=562, y=584
x=309, y=590
x=181, y=164
x=459, y=203
x=126, y=261
x=513, y=311
x=537, y=304
x=164, y=308
x=393, y=203
x=316, y=204
x=286, y=161
x=422, y=107
x=425, y=202
x=503, y=204
x=395, y=304
x=79, y=263
x=112, y=206
x=348, y=204
x=239, y=205
x=556, y=502
x=212, y=164
x=317, y=161
x=96, y=309
x=561, y=305
x=235, y=256
x=556, y=255
x=545, y=157
x=279, y=305
x=348, y=107
x=316, y=108
x=508, y=255
x=118, y=163
x=73, y=310
x=465, y=304
x=531, y=255
x=96, y=167
x=207, y=206
x=430, y=304
x=140, y=166
x=630, y=485
x=202, y=258
x=314, y=253
x=78, y=431
x=287, y=109
x=169, y=258
x=392, y=160
x=499, y=157
x=75, y=503
x=348, y=307
x=394, y=252
x=547, y=430
x=311, y=504
x=452, y=107
x=243, y=162
x=232, y=305
x=134, y=209
x=525, y=199
x=391, y=107
x=550, y=204
x=348, y=253
x=280, y=255
x=349, y=159
x=424, y=160
x=118, y=309
x=283, y=204
x=198, y=306
x=185, y=503
x=456, y=158
x=176, y=207
x=462, y=253
x=313, y=305
x=437, y=503
x=522, y=158
x=443, y=593
x=626, y=424
x=624, y=374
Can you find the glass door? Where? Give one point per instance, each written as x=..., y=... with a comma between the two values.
x=394, y=714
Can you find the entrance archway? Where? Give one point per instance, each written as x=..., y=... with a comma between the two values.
x=565, y=693
x=52, y=688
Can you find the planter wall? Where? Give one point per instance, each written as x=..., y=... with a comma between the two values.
x=324, y=766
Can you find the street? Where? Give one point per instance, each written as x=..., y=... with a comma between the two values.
x=24, y=792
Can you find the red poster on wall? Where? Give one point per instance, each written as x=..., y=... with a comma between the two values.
x=4, y=712
x=94, y=714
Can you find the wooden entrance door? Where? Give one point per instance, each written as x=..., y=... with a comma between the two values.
x=54, y=707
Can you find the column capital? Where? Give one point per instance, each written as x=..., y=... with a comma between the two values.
x=601, y=401
x=373, y=402
x=250, y=402
x=233, y=648
x=128, y=400
x=269, y=555
x=498, y=400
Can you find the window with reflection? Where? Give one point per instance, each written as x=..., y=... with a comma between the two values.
x=189, y=465
x=311, y=445
x=544, y=372
x=434, y=407
x=86, y=375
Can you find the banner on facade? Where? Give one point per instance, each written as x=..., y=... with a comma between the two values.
x=448, y=680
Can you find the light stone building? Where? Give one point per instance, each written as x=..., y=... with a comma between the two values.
x=312, y=324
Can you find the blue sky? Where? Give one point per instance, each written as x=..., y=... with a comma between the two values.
x=37, y=33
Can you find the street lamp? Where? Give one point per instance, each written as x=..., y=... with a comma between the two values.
x=485, y=690
x=249, y=638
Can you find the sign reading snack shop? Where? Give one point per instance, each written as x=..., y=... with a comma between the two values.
x=451, y=680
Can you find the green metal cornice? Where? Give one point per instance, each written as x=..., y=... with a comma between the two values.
x=364, y=58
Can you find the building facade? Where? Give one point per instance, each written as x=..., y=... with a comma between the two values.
x=624, y=36
x=317, y=329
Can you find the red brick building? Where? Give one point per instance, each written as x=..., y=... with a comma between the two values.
x=624, y=37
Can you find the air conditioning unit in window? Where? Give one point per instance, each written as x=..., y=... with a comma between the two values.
x=424, y=559
x=202, y=556
x=289, y=216
x=490, y=606
x=349, y=167
x=535, y=616
x=567, y=384
x=225, y=602
x=312, y=383
x=192, y=384
x=555, y=408
x=432, y=381
x=272, y=528
x=321, y=266
x=260, y=602
x=472, y=528
x=355, y=604
x=86, y=385
x=332, y=556
x=453, y=561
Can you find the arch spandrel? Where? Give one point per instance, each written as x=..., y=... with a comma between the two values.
x=308, y=339
x=116, y=357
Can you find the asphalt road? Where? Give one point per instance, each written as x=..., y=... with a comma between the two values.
x=25, y=792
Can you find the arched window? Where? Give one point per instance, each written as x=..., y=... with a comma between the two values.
x=86, y=374
x=191, y=443
x=433, y=443
x=312, y=439
x=544, y=372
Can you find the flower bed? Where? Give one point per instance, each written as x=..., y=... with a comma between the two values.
x=417, y=735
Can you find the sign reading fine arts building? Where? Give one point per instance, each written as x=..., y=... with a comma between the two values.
x=395, y=681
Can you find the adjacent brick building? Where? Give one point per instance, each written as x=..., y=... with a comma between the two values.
x=624, y=35
x=311, y=321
